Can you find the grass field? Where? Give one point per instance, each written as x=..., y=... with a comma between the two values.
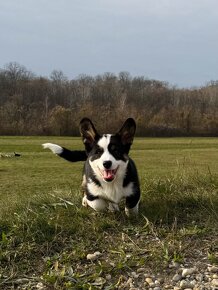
x=45, y=233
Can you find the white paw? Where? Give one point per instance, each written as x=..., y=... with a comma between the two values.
x=132, y=211
x=84, y=201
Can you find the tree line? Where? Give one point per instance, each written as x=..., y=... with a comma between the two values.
x=54, y=105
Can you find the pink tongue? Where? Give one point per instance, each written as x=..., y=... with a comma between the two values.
x=108, y=174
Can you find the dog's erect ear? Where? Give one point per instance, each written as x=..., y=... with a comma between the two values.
x=88, y=133
x=127, y=133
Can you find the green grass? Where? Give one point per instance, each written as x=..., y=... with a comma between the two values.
x=45, y=233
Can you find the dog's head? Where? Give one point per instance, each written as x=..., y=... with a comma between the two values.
x=108, y=154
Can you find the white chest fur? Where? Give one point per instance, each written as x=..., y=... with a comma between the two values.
x=111, y=191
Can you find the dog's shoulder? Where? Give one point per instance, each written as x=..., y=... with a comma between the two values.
x=131, y=174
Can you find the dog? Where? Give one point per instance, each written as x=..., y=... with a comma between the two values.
x=109, y=174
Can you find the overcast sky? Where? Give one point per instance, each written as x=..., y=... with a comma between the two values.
x=168, y=40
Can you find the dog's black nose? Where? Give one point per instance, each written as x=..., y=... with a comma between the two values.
x=107, y=164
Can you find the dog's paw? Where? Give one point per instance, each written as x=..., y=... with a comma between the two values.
x=132, y=211
x=84, y=201
x=56, y=149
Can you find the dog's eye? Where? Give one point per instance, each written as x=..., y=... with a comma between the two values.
x=99, y=151
x=114, y=148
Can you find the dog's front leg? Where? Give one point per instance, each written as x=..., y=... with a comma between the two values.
x=132, y=211
x=98, y=204
x=84, y=201
x=132, y=204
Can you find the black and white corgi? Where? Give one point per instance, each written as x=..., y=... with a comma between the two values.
x=109, y=173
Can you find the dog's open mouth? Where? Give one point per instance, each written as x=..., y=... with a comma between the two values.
x=108, y=174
